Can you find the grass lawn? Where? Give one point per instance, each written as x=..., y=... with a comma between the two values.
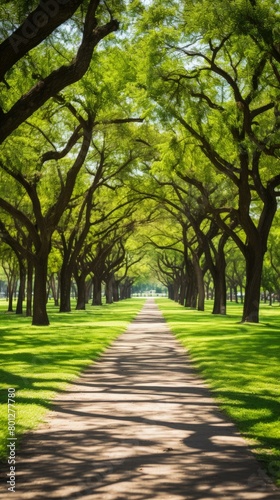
x=39, y=361
x=241, y=364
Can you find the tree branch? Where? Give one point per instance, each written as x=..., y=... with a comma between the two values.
x=37, y=26
x=58, y=79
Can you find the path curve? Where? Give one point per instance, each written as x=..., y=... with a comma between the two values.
x=138, y=425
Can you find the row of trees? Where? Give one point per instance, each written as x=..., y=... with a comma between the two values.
x=174, y=262
x=172, y=115
x=213, y=80
x=122, y=264
x=66, y=150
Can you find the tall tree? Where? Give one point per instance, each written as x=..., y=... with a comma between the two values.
x=220, y=83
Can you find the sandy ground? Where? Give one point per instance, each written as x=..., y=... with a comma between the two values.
x=138, y=425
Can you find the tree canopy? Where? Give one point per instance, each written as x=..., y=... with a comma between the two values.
x=131, y=128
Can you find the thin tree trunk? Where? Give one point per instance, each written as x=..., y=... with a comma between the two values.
x=29, y=288
x=10, y=296
x=200, y=285
x=21, y=291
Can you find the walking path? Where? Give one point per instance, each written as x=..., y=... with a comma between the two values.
x=139, y=425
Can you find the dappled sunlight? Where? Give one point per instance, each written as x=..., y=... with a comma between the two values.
x=39, y=361
x=241, y=364
x=139, y=424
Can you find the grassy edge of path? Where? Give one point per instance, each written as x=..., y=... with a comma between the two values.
x=241, y=365
x=38, y=362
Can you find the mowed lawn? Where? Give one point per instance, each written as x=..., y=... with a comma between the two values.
x=39, y=361
x=241, y=364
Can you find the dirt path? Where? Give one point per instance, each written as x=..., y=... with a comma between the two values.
x=138, y=425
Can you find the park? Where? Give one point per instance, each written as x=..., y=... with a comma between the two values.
x=139, y=249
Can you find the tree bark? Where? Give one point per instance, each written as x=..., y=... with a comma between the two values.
x=54, y=289
x=57, y=80
x=40, y=316
x=191, y=294
x=21, y=290
x=220, y=289
x=200, y=287
x=176, y=290
x=81, y=286
x=65, y=290
x=38, y=25
x=170, y=290
x=109, y=290
x=97, y=291
x=254, y=265
x=116, y=292
x=29, y=288
x=183, y=290
x=10, y=296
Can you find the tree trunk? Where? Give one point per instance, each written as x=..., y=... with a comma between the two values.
x=109, y=291
x=10, y=296
x=191, y=288
x=40, y=316
x=29, y=288
x=65, y=290
x=191, y=295
x=116, y=292
x=81, y=286
x=97, y=291
x=170, y=290
x=54, y=288
x=21, y=291
x=122, y=291
x=184, y=283
x=219, y=278
x=207, y=285
x=88, y=291
x=254, y=265
x=219, y=306
x=176, y=287
x=200, y=285
x=241, y=295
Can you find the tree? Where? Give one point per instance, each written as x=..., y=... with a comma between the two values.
x=217, y=82
x=235, y=272
x=9, y=265
x=34, y=30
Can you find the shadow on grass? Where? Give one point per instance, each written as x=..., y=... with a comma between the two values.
x=139, y=425
x=40, y=361
x=241, y=364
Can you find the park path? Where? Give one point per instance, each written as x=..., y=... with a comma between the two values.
x=138, y=425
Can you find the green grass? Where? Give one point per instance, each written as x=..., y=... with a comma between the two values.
x=40, y=361
x=241, y=364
